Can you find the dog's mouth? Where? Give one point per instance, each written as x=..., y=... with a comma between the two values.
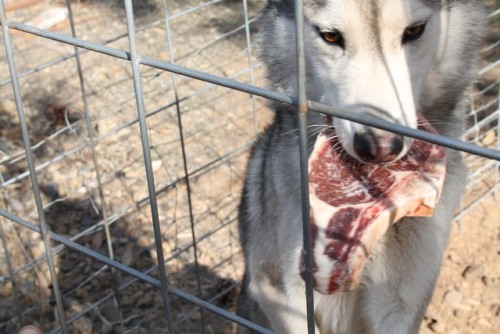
x=353, y=204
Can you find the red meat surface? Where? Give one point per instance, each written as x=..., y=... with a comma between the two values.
x=353, y=204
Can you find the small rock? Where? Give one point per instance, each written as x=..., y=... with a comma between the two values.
x=437, y=326
x=128, y=256
x=82, y=293
x=111, y=311
x=489, y=138
x=453, y=297
x=145, y=301
x=16, y=205
x=154, y=255
x=134, y=233
x=50, y=190
x=82, y=325
x=107, y=329
x=458, y=313
x=486, y=280
x=156, y=165
x=8, y=106
x=485, y=323
x=143, y=242
x=430, y=314
x=38, y=249
x=5, y=290
x=196, y=316
x=469, y=271
x=30, y=329
x=495, y=308
x=49, y=18
x=474, y=302
x=97, y=240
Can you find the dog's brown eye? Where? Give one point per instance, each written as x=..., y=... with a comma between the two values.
x=333, y=37
x=413, y=32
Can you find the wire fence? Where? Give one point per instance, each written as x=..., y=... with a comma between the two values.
x=124, y=131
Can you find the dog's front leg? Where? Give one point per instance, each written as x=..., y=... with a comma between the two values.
x=402, y=276
x=284, y=306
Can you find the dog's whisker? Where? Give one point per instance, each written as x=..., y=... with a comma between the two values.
x=315, y=127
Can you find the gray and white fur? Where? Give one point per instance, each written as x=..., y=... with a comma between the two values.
x=373, y=68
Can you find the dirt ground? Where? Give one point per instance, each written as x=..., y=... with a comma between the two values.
x=218, y=127
x=467, y=296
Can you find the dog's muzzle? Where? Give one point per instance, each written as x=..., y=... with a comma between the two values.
x=372, y=145
x=377, y=146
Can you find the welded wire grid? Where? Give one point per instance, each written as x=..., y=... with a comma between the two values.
x=124, y=131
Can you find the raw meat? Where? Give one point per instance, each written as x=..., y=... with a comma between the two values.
x=353, y=204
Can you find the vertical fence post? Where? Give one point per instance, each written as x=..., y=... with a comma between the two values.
x=135, y=62
x=250, y=64
x=31, y=167
x=116, y=298
x=184, y=159
x=304, y=180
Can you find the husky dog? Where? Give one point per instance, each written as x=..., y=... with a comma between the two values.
x=391, y=59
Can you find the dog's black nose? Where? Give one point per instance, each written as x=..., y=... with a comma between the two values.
x=378, y=148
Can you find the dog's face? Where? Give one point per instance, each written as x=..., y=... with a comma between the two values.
x=372, y=57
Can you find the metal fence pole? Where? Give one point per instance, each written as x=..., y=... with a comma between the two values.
x=184, y=159
x=250, y=63
x=302, y=114
x=31, y=167
x=109, y=244
x=134, y=60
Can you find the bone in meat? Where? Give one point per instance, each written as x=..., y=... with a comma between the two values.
x=353, y=204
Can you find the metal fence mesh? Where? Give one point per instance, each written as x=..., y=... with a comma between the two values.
x=136, y=165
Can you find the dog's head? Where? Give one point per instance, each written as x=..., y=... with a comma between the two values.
x=390, y=59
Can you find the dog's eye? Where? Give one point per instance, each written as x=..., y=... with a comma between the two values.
x=413, y=32
x=333, y=37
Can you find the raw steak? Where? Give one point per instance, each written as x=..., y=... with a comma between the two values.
x=353, y=204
